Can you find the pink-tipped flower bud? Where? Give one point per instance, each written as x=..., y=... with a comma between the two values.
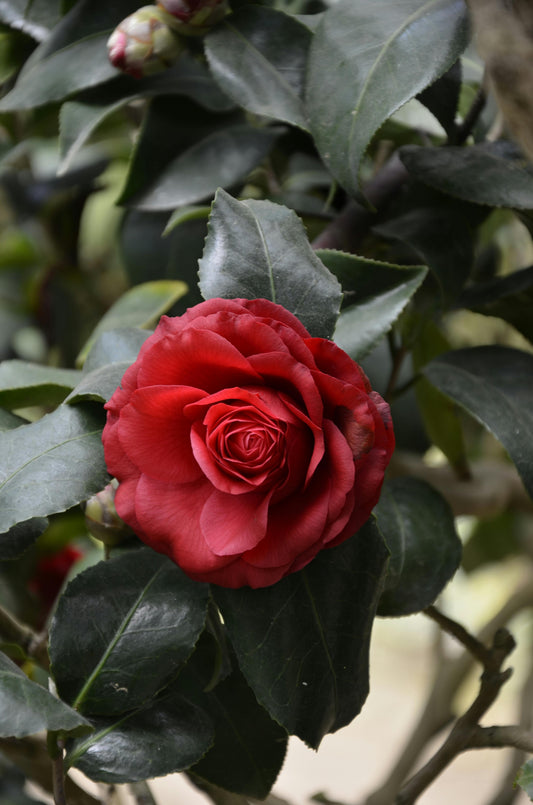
x=102, y=520
x=195, y=17
x=144, y=43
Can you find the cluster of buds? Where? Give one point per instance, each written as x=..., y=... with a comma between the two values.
x=150, y=40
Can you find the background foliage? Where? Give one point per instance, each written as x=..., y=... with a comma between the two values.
x=346, y=160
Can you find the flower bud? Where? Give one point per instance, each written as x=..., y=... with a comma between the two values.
x=101, y=517
x=144, y=43
x=195, y=17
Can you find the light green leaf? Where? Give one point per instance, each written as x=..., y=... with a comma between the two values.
x=141, y=306
x=259, y=56
x=24, y=384
x=27, y=707
x=367, y=59
x=525, y=778
x=50, y=465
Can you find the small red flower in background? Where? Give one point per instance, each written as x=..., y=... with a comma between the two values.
x=50, y=573
x=242, y=445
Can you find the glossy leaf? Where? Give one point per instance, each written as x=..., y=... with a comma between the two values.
x=27, y=707
x=80, y=118
x=259, y=56
x=259, y=250
x=166, y=736
x=356, y=50
x=302, y=644
x=418, y=526
x=525, y=778
x=24, y=384
x=50, y=465
x=509, y=298
x=494, y=174
x=380, y=292
x=14, y=542
x=495, y=385
x=141, y=617
x=141, y=306
x=221, y=159
x=79, y=66
x=249, y=747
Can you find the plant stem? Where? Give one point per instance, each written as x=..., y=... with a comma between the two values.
x=465, y=727
x=142, y=793
x=451, y=627
x=58, y=771
x=464, y=130
x=31, y=642
x=496, y=737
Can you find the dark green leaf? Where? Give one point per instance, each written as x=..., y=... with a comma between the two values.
x=115, y=346
x=259, y=250
x=509, y=298
x=140, y=306
x=380, y=292
x=79, y=66
x=166, y=736
x=35, y=19
x=24, y=384
x=259, y=56
x=121, y=631
x=14, y=542
x=418, y=526
x=50, y=465
x=27, y=707
x=442, y=232
x=495, y=384
x=302, y=644
x=249, y=747
x=494, y=174
x=439, y=413
x=188, y=77
x=442, y=97
x=356, y=50
x=221, y=159
x=525, y=778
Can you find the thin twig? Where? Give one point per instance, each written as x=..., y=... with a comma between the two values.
x=142, y=793
x=436, y=711
x=14, y=631
x=496, y=737
x=456, y=630
x=464, y=728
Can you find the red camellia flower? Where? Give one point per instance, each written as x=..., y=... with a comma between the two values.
x=242, y=445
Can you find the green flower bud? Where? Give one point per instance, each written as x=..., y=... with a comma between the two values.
x=195, y=17
x=144, y=43
x=101, y=517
